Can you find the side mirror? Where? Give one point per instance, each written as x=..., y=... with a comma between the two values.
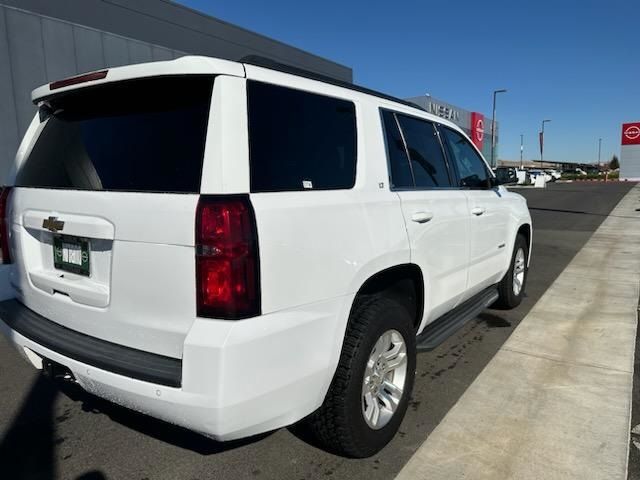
x=511, y=179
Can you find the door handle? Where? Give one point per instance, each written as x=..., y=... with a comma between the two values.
x=421, y=217
x=477, y=211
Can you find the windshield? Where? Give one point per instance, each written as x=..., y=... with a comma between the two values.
x=136, y=135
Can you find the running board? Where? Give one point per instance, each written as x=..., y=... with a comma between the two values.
x=439, y=330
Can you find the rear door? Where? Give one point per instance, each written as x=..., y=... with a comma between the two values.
x=435, y=212
x=103, y=210
x=323, y=223
x=487, y=212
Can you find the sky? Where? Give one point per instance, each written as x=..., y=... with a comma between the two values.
x=574, y=62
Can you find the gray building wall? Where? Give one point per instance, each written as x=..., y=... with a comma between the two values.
x=630, y=162
x=46, y=40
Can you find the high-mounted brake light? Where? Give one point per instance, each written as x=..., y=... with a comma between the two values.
x=87, y=77
x=227, y=265
x=5, y=223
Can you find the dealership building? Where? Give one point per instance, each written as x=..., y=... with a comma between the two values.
x=48, y=40
x=630, y=151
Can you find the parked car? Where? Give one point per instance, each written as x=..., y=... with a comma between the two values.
x=554, y=174
x=512, y=175
x=506, y=175
x=260, y=246
x=574, y=171
x=523, y=177
x=533, y=173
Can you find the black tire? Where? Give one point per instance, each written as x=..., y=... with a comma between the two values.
x=339, y=424
x=507, y=298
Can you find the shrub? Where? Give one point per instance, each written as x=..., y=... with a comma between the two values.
x=570, y=176
x=614, y=163
x=591, y=176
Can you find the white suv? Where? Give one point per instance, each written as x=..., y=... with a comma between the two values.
x=234, y=248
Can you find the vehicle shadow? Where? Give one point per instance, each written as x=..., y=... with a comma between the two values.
x=493, y=321
x=28, y=447
x=27, y=450
x=579, y=212
x=158, y=429
x=302, y=432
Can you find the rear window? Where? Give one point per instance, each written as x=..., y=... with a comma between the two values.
x=138, y=135
x=299, y=140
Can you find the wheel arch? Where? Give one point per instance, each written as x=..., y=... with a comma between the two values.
x=403, y=283
x=526, y=231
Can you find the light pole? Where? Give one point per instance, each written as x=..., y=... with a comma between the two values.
x=521, y=149
x=493, y=127
x=542, y=142
x=599, y=150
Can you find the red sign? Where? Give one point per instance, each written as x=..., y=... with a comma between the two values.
x=477, y=129
x=631, y=133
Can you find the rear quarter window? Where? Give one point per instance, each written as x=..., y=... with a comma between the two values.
x=137, y=135
x=300, y=140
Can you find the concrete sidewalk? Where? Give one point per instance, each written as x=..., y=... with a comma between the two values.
x=555, y=401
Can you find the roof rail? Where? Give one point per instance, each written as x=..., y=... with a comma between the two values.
x=260, y=61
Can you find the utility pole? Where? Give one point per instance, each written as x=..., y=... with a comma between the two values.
x=493, y=128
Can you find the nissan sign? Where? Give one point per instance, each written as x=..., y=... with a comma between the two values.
x=477, y=129
x=444, y=111
x=631, y=133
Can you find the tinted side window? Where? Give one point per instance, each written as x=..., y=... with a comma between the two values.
x=471, y=168
x=427, y=159
x=400, y=171
x=299, y=140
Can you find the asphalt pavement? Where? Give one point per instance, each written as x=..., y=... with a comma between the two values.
x=49, y=433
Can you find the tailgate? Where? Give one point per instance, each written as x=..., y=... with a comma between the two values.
x=140, y=290
x=102, y=215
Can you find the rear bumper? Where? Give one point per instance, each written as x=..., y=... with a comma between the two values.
x=90, y=350
x=238, y=378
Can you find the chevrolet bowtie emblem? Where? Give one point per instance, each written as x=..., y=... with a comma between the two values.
x=52, y=224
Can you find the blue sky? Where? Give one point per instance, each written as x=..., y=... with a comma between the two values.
x=575, y=62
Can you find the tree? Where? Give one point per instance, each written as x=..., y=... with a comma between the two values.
x=614, y=163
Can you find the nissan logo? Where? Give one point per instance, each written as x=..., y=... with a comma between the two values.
x=479, y=129
x=632, y=132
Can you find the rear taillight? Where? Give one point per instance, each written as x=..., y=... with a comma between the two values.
x=227, y=268
x=5, y=224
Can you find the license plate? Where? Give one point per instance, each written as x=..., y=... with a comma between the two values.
x=71, y=254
